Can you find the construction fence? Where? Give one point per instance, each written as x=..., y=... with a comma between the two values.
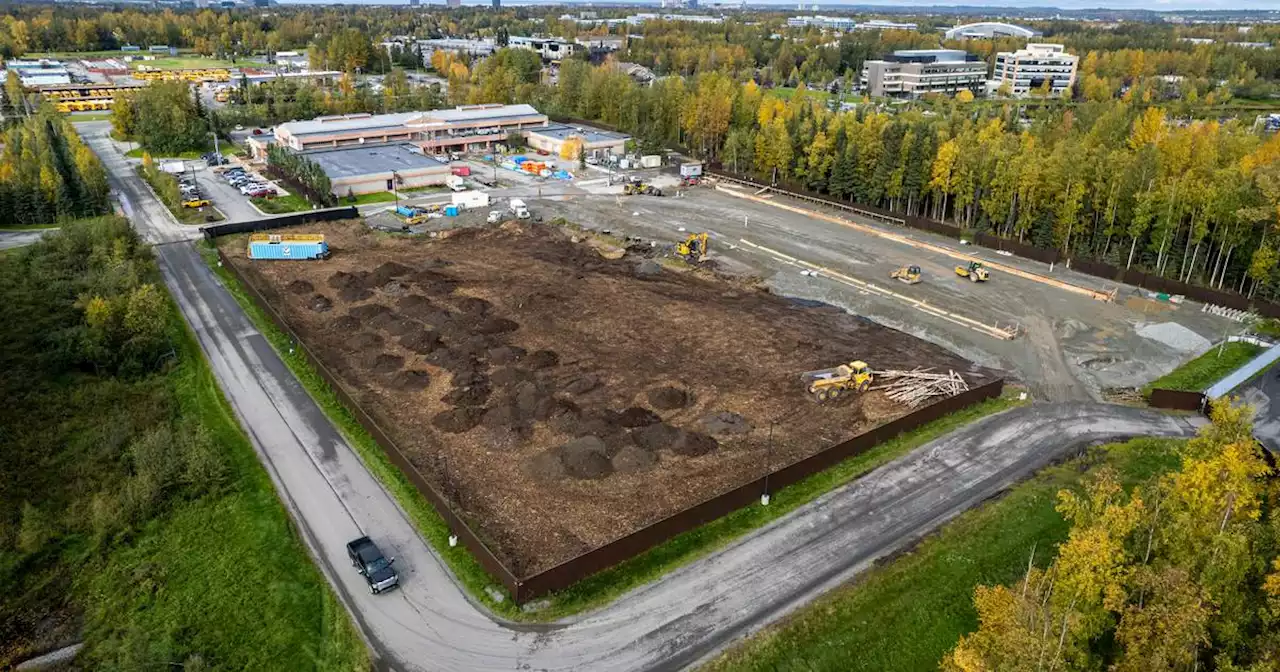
x=1098, y=269
x=213, y=231
x=523, y=589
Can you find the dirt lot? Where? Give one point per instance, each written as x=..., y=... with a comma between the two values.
x=564, y=399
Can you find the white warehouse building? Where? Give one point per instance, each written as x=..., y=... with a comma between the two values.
x=1027, y=70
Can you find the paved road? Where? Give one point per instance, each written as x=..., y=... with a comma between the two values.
x=10, y=239
x=431, y=625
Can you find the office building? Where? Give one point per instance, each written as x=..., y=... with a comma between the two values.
x=376, y=168
x=911, y=73
x=552, y=50
x=1028, y=70
x=468, y=127
x=594, y=142
x=987, y=30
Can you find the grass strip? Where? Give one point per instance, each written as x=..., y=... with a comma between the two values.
x=1207, y=369
x=908, y=613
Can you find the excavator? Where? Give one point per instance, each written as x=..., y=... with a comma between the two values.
x=908, y=274
x=975, y=271
x=856, y=376
x=693, y=248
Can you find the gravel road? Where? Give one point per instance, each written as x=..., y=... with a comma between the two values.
x=430, y=624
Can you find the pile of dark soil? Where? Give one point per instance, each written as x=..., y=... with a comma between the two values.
x=693, y=444
x=668, y=398
x=637, y=417
x=384, y=362
x=504, y=354
x=633, y=459
x=585, y=458
x=412, y=379
x=363, y=341
x=421, y=342
x=346, y=324
x=542, y=359
x=457, y=420
x=385, y=274
x=300, y=287
x=655, y=437
x=354, y=293
x=320, y=303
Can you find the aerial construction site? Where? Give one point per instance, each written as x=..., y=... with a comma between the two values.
x=564, y=392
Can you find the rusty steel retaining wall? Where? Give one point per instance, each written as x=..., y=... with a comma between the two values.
x=571, y=571
x=1176, y=400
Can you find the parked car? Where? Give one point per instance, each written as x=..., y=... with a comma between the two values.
x=265, y=192
x=376, y=569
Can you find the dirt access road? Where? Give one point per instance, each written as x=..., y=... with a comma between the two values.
x=1071, y=346
x=432, y=625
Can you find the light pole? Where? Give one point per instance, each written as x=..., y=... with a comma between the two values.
x=764, y=496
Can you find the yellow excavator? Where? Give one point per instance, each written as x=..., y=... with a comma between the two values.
x=908, y=274
x=693, y=248
x=856, y=376
x=975, y=271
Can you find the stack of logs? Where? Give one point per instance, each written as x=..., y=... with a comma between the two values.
x=918, y=385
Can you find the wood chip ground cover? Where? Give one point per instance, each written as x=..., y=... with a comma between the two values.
x=563, y=400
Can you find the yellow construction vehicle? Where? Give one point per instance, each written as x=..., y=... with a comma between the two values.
x=908, y=274
x=975, y=271
x=693, y=248
x=856, y=376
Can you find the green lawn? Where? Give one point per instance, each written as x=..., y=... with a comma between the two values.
x=282, y=204
x=89, y=116
x=174, y=62
x=225, y=148
x=175, y=556
x=611, y=583
x=365, y=199
x=906, y=614
x=1207, y=369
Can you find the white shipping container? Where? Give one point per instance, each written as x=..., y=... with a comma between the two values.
x=471, y=199
x=651, y=161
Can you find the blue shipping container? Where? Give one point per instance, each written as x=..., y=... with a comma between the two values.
x=451, y=210
x=288, y=250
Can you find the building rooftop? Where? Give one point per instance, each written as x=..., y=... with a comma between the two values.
x=933, y=55
x=477, y=113
x=588, y=135
x=349, y=122
x=343, y=162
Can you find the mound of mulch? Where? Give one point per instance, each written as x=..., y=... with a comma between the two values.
x=422, y=342
x=368, y=311
x=656, y=436
x=457, y=420
x=384, y=362
x=363, y=340
x=474, y=306
x=496, y=325
x=668, y=398
x=354, y=293
x=584, y=458
x=693, y=444
x=343, y=280
x=633, y=459
x=504, y=354
x=637, y=416
x=346, y=323
x=320, y=303
x=542, y=359
x=412, y=379
x=300, y=287
x=582, y=384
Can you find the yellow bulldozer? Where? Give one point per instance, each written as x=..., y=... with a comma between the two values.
x=908, y=274
x=693, y=248
x=975, y=271
x=856, y=376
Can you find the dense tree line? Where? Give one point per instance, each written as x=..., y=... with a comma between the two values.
x=1181, y=574
x=279, y=101
x=165, y=118
x=47, y=174
x=301, y=173
x=1114, y=180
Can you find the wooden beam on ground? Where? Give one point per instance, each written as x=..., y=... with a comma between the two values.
x=955, y=254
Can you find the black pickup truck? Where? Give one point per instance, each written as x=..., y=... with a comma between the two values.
x=372, y=565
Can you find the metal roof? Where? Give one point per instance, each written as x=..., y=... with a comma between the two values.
x=407, y=120
x=588, y=135
x=345, y=162
x=352, y=122
x=474, y=113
